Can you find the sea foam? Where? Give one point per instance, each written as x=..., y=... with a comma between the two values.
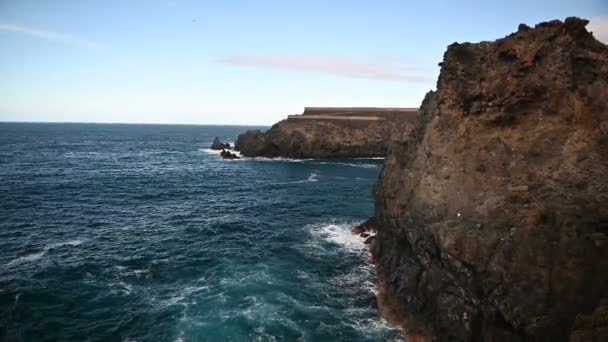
x=312, y=177
x=339, y=234
x=36, y=256
x=361, y=165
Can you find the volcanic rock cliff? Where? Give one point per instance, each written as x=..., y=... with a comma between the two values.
x=307, y=137
x=493, y=220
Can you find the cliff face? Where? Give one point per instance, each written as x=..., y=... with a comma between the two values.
x=493, y=219
x=323, y=139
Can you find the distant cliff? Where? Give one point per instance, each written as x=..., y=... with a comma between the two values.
x=331, y=133
x=493, y=219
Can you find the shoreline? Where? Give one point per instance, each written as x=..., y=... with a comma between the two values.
x=367, y=231
x=390, y=314
x=479, y=212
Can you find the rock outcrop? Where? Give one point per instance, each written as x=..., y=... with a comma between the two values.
x=218, y=145
x=324, y=138
x=228, y=155
x=492, y=221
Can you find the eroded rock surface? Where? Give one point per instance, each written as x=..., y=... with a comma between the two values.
x=323, y=139
x=493, y=220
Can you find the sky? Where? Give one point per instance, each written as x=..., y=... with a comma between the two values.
x=239, y=62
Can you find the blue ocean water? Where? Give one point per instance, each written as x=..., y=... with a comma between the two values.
x=139, y=233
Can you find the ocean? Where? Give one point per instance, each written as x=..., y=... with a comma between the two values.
x=112, y=232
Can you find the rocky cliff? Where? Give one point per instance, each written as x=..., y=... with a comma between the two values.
x=493, y=220
x=324, y=138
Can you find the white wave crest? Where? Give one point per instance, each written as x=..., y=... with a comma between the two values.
x=372, y=326
x=187, y=295
x=339, y=234
x=362, y=277
x=355, y=178
x=360, y=165
x=36, y=256
x=217, y=152
x=280, y=159
x=312, y=177
x=292, y=160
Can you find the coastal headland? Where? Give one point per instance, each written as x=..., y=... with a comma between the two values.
x=331, y=132
x=492, y=220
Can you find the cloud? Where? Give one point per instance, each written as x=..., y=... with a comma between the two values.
x=386, y=70
x=51, y=36
x=599, y=27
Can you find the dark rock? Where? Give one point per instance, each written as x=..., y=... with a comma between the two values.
x=367, y=226
x=218, y=145
x=228, y=155
x=374, y=302
x=523, y=27
x=516, y=252
x=592, y=326
x=364, y=235
x=323, y=139
x=251, y=143
x=370, y=239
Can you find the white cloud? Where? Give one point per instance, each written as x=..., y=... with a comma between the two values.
x=599, y=27
x=51, y=36
x=386, y=69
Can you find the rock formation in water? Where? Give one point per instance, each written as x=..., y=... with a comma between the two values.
x=330, y=133
x=228, y=155
x=218, y=145
x=492, y=221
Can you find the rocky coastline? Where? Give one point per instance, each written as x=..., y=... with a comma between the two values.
x=327, y=133
x=224, y=148
x=492, y=217
x=491, y=211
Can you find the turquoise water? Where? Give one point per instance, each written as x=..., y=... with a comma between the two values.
x=139, y=233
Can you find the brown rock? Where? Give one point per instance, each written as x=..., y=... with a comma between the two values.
x=324, y=139
x=367, y=226
x=592, y=327
x=532, y=109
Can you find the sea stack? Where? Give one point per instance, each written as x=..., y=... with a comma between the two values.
x=331, y=132
x=492, y=220
x=228, y=155
x=218, y=145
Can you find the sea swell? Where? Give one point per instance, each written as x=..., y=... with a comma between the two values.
x=138, y=235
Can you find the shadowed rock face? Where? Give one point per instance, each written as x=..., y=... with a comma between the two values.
x=323, y=139
x=218, y=145
x=493, y=219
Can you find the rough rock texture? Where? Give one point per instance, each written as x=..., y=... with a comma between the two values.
x=323, y=139
x=228, y=155
x=493, y=220
x=218, y=145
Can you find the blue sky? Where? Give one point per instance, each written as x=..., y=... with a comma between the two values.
x=239, y=62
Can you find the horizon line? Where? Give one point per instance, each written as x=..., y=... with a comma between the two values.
x=133, y=123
